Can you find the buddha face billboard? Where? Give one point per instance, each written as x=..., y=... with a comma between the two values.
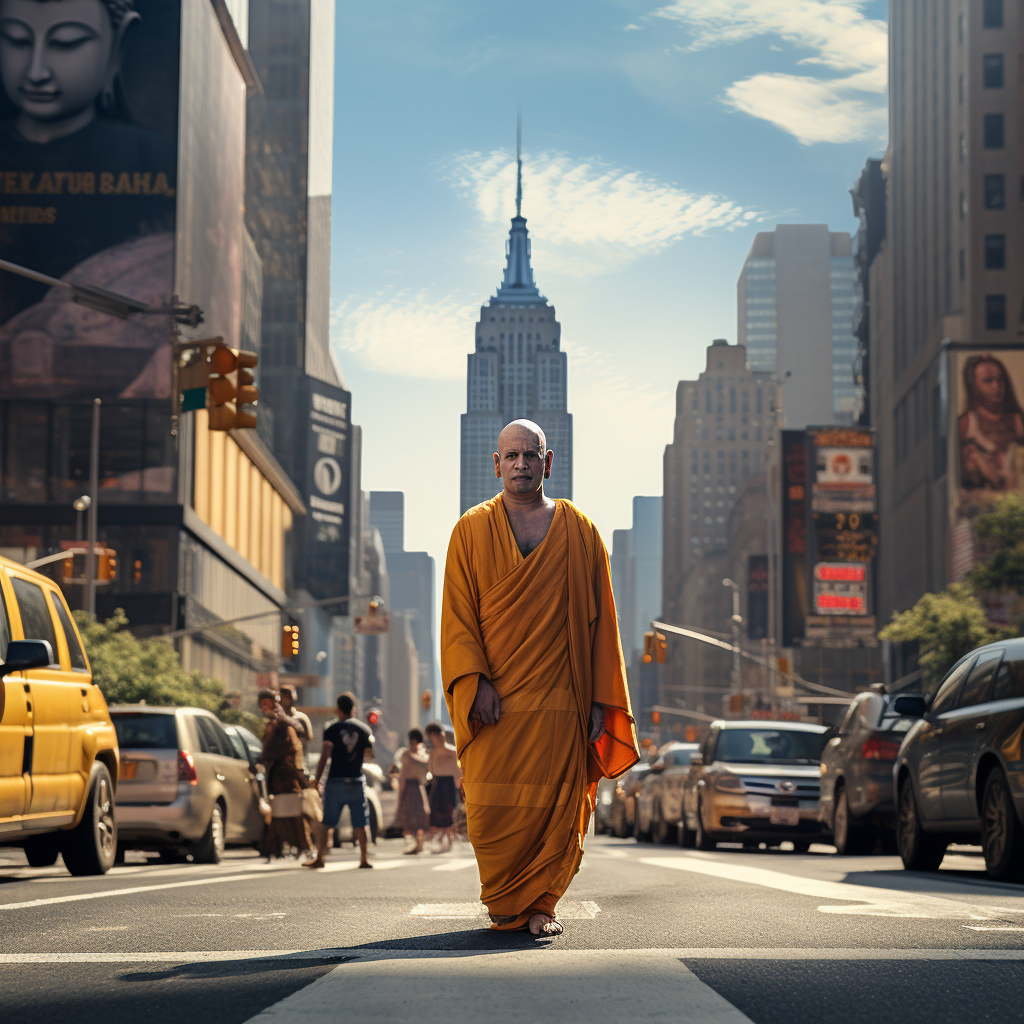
x=88, y=157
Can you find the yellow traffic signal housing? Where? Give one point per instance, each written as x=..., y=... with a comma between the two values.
x=660, y=648
x=228, y=397
x=427, y=700
x=648, y=648
x=290, y=642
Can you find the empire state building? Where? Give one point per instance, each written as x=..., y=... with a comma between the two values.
x=517, y=371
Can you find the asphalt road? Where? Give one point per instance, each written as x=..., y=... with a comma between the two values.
x=653, y=933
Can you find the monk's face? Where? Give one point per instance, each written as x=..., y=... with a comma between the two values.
x=522, y=461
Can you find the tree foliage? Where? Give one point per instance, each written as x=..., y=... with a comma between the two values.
x=1001, y=532
x=945, y=626
x=129, y=670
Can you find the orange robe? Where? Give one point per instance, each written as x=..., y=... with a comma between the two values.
x=542, y=629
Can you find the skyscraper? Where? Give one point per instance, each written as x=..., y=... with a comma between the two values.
x=797, y=298
x=517, y=371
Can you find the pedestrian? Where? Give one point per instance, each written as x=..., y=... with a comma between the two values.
x=289, y=829
x=348, y=743
x=413, y=813
x=534, y=681
x=446, y=774
x=299, y=720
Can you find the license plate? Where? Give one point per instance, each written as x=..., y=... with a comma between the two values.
x=784, y=815
x=128, y=769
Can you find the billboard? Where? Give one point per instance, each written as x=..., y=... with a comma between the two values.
x=757, y=597
x=88, y=161
x=986, y=451
x=327, y=488
x=842, y=531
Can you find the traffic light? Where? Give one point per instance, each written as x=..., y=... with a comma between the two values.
x=427, y=700
x=656, y=717
x=228, y=397
x=660, y=648
x=648, y=648
x=290, y=642
x=373, y=717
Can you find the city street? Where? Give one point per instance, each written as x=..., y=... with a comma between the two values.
x=652, y=933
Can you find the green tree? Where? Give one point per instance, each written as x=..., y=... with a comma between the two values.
x=1001, y=531
x=945, y=626
x=128, y=670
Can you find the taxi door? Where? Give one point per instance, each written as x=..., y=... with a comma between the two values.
x=54, y=696
x=15, y=734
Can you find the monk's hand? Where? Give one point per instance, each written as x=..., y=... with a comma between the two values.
x=596, y=722
x=487, y=707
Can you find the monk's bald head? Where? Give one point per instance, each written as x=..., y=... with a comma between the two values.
x=523, y=432
x=522, y=460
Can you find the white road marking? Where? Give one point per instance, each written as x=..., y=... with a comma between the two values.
x=457, y=865
x=586, y=910
x=870, y=900
x=574, y=985
x=766, y=953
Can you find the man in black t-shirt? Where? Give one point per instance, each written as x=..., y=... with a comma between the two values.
x=346, y=742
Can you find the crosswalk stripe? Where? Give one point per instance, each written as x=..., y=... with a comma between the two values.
x=457, y=865
x=573, y=985
x=766, y=953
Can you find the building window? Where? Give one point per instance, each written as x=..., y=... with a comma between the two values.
x=995, y=191
x=995, y=312
x=995, y=252
x=992, y=70
x=993, y=131
x=992, y=16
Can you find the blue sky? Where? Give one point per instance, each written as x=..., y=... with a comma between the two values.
x=658, y=139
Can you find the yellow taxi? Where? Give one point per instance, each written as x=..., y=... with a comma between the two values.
x=58, y=748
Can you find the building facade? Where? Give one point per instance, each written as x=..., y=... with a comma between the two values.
x=516, y=371
x=948, y=281
x=796, y=302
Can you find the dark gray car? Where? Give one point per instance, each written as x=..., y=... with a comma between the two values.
x=959, y=776
x=856, y=776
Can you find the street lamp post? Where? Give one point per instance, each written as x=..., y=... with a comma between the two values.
x=737, y=622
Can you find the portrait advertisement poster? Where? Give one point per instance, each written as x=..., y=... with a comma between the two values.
x=88, y=162
x=986, y=443
x=843, y=531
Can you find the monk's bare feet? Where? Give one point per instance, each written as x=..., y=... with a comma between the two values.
x=543, y=924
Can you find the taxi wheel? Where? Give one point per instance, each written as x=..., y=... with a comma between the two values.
x=42, y=851
x=702, y=841
x=210, y=848
x=1002, y=837
x=90, y=847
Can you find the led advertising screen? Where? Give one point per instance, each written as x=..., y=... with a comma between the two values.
x=794, y=536
x=88, y=160
x=843, y=531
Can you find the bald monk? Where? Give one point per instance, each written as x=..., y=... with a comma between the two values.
x=534, y=681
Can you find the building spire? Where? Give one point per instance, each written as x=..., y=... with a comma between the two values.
x=519, y=162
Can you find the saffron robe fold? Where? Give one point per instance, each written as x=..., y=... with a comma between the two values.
x=543, y=630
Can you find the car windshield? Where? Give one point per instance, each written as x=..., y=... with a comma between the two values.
x=770, y=746
x=145, y=732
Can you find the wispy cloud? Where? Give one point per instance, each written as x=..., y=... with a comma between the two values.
x=413, y=335
x=846, y=107
x=593, y=218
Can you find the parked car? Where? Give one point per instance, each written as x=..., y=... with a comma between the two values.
x=754, y=782
x=58, y=750
x=958, y=775
x=622, y=813
x=185, y=787
x=857, y=805
x=659, y=800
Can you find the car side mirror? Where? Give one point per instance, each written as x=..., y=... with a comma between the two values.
x=697, y=761
x=910, y=705
x=26, y=654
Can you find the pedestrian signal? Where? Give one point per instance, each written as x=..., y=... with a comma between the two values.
x=656, y=717
x=290, y=642
x=228, y=396
x=427, y=700
x=783, y=665
x=736, y=703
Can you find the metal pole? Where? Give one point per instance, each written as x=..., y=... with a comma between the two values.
x=737, y=682
x=94, y=494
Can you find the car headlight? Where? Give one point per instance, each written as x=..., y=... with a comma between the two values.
x=728, y=784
